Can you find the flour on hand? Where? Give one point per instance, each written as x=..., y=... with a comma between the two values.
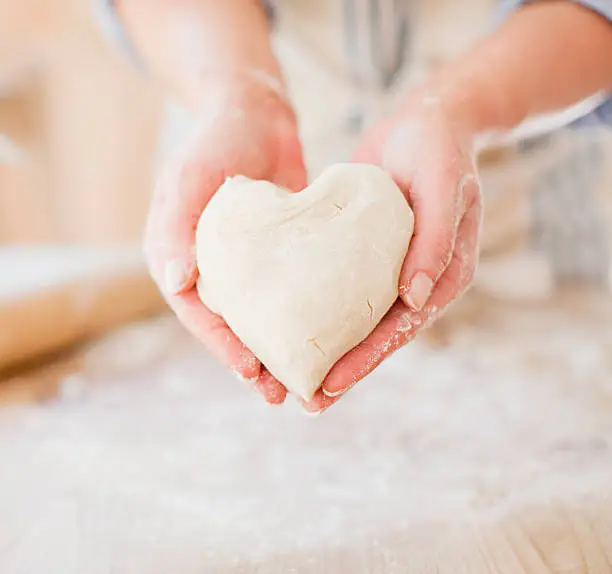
x=302, y=278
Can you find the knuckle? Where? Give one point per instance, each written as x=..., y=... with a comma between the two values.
x=442, y=249
x=471, y=191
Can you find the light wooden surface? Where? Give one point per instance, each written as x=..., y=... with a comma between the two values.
x=40, y=380
x=489, y=455
x=53, y=297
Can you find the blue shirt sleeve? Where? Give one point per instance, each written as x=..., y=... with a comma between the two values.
x=112, y=27
x=603, y=113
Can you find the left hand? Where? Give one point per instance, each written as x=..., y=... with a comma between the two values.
x=242, y=127
x=430, y=154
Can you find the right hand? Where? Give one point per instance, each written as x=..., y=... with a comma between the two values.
x=429, y=152
x=243, y=127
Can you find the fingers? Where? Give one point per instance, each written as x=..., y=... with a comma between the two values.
x=401, y=324
x=369, y=147
x=439, y=200
x=290, y=170
x=272, y=390
x=179, y=198
x=219, y=339
x=460, y=272
x=433, y=191
x=292, y=178
x=397, y=327
x=213, y=332
x=225, y=346
x=433, y=169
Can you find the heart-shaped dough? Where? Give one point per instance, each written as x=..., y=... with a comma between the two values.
x=302, y=278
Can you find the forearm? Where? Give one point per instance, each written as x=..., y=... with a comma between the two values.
x=187, y=43
x=547, y=56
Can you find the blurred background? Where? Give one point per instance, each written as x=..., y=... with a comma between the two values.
x=78, y=135
x=100, y=386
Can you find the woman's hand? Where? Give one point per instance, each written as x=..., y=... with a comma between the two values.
x=429, y=152
x=245, y=127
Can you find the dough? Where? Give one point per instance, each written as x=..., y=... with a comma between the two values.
x=302, y=278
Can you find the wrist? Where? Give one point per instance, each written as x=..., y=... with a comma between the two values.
x=475, y=106
x=245, y=100
x=239, y=89
x=184, y=44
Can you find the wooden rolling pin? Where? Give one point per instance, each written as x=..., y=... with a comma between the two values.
x=55, y=297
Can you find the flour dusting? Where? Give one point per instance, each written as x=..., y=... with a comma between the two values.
x=166, y=460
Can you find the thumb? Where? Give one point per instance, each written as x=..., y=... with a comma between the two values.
x=179, y=199
x=437, y=218
x=290, y=169
x=292, y=177
x=435, y=191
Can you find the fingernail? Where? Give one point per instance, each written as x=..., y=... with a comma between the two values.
x=249, y=382
x=310, y=409
x=333, y=394
x=274, y=405
x=176, y=276
x=274, y=398
x=419, y=291
x=417, y=321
